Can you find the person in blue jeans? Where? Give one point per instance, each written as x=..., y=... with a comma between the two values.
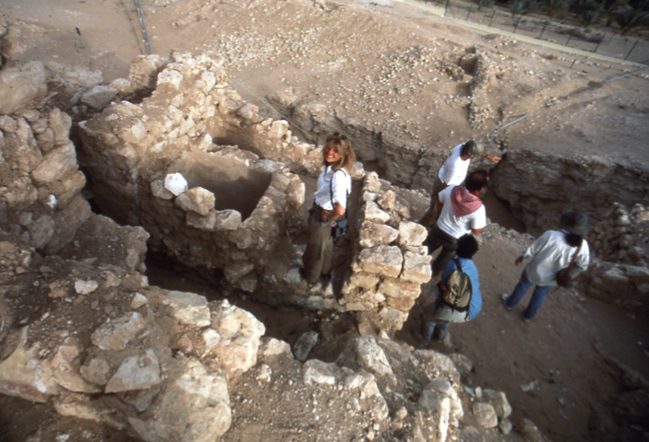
x=437, y=318
x=553, y=251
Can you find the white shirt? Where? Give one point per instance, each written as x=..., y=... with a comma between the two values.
x=341, y=186
x=454, y=170
x=454, y=226
x=551, y=253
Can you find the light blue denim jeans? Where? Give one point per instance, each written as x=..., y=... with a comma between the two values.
x=538, y=296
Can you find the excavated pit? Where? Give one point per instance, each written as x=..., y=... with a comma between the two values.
x=236, y=186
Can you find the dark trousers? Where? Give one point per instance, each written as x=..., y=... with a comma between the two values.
x=431, y=215
x=319, y=247
x=438, y=238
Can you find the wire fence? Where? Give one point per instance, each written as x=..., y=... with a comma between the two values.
x=558, y=32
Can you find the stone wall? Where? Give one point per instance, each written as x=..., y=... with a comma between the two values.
x=389, y=262
x=40, y=182
x=619, y=275
x=241, y=196
x=540, y=187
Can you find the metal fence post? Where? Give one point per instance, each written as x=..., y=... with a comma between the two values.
x=632, y=48
x=545, y=23
x=492, y=17
x=517, y=22
x=468, y=13
x=569, y=37
x=599, y=43
x=446, y=7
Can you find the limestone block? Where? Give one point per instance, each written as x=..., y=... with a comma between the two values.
x=372, y=212
x=41, y=231
x=399, y=294
x=21, y=195
x=392, y=316
x=114, y=335
x=21, y=85
x=60, y=123
x=46, y=140
x=441, y=365
x=96, y=371
x=278, y=129
x=134, y=133
x=196, y=199
x=365, y=353
x=176, y=183
x=193, y=407
x=382, y=260
x=83, y=287
x=505, y=426
x=138, y=301
x=65, y=367
x=387, y=200
x=531, y=432
x=443, y=387
x=215, y=220
x=99, y=96
x=171, y=77
x=240, y=332
x=188, y=308
x=372, y=183
x=270, y=347
x=65, y=188
x=318, y=372
x=304, y=345
x=159, y=191
x=417, y=250
x=143, y=71
x=463, y=364
x=363, y=280
x=135, y=373
x=485, y=414
x=234, y=272
x=411, y=234
x=374, y=234
x=22, y=375
x=416, y=268
x=638, y=274
x=247, y=283
x=437, y=408
x=499, y=401
x=124, y=87
x=295, y=193
x=615, y=276
x=21, y=149
x=55, y=164
x=360, y=300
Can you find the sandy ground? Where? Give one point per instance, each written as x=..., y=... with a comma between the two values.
x=380, y=65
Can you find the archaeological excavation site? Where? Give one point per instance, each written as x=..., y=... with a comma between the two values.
x=159, y=160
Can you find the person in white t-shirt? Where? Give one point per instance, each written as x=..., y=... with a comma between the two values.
x=334, y=185
x=552, y=252
x=452, y=173
x=461, y=212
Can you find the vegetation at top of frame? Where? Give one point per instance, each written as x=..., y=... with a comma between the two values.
x=627, y=14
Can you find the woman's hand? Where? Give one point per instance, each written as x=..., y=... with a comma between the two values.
x=324, y=215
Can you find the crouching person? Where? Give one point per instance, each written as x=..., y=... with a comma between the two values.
x=459, y=298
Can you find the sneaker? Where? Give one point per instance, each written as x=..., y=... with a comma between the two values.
x=526, y=320
x=504, y=298
x=417, y=334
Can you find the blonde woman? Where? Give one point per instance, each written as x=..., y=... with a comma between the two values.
x=334, y=186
